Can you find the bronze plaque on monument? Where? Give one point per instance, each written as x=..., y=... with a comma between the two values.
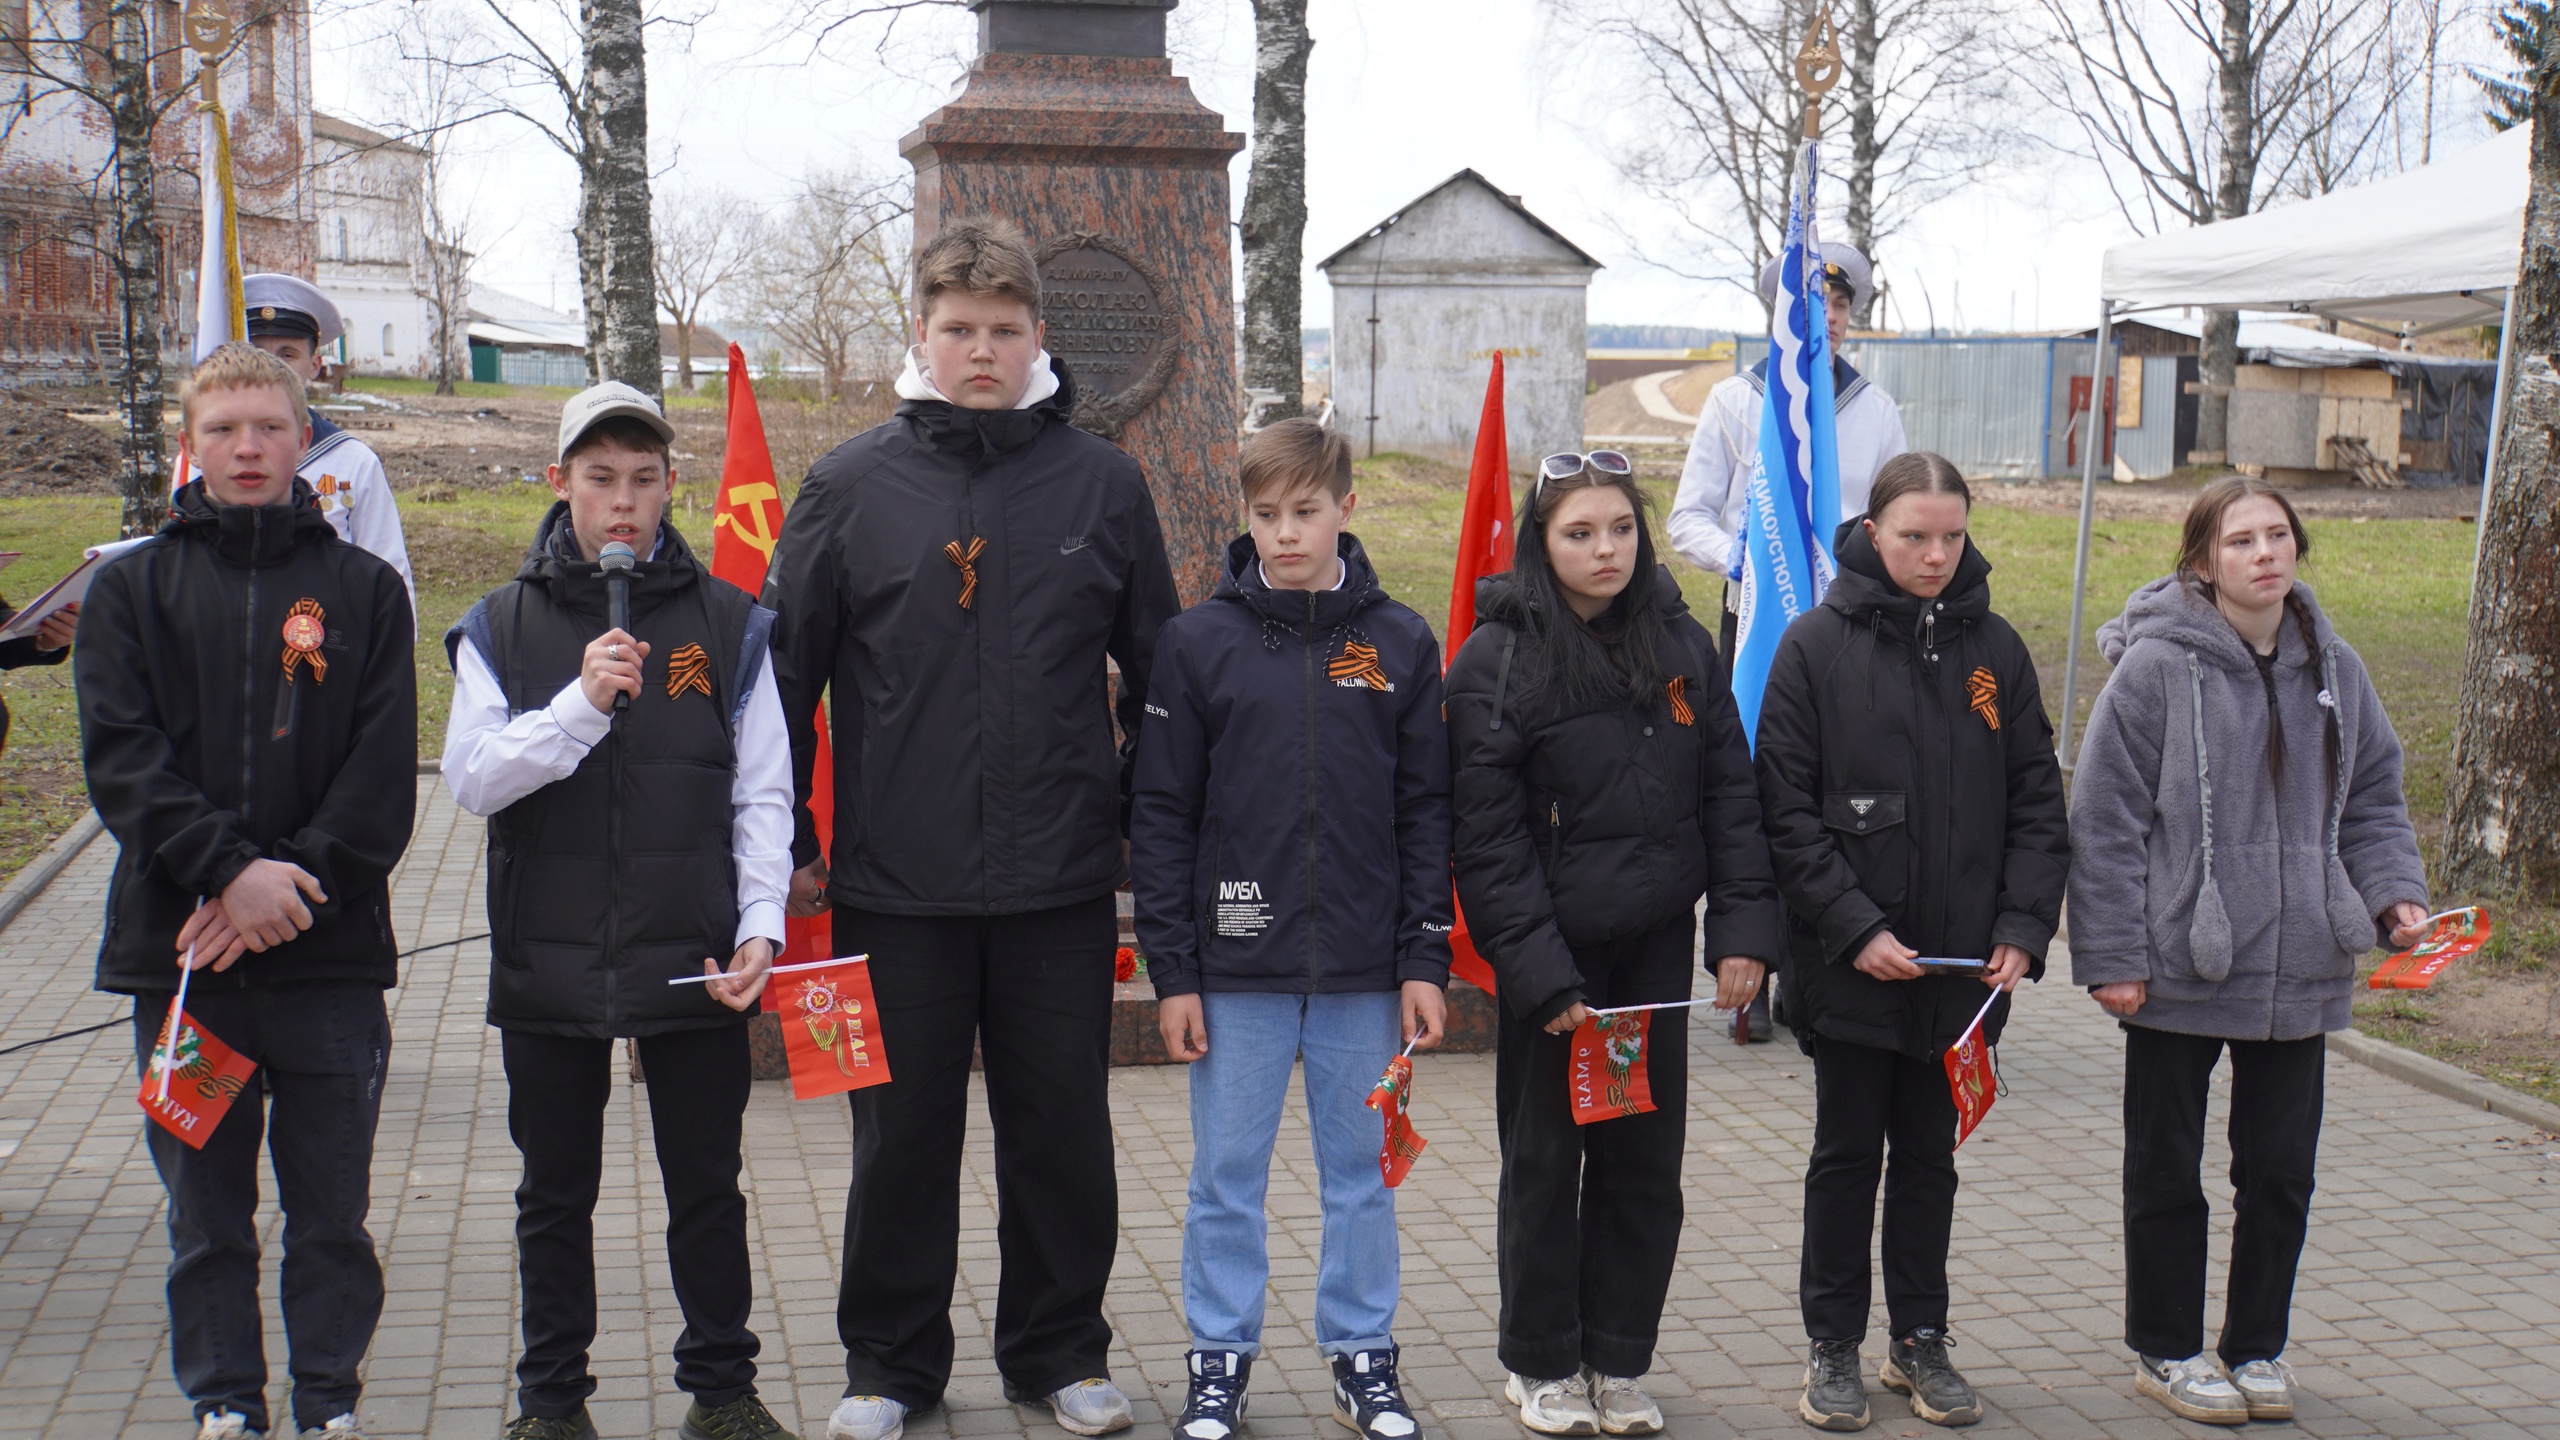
x=1107, y=320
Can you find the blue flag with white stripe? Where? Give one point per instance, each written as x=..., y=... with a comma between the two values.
x=1792, y=503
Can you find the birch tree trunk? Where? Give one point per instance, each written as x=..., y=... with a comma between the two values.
x=1275, y=210
x=2502, y=830
x=616, y=262
x=137, y=262
x=1866, y=145
x=2236, y=80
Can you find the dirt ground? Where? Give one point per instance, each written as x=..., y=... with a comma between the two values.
x=43, y=451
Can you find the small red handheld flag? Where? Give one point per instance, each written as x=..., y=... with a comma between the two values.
x=2457, y=933
x=831, y=1029
x=1970, y=1078
x=203, y=1079
x=1606, y=1077
x=1484, y=548
x=1401, y=1146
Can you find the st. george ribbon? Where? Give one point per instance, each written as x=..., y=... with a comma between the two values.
x=616, y=562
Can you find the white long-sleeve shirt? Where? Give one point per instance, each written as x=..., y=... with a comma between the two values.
x=1707, y=512
x=355, y=498
x=493, y=759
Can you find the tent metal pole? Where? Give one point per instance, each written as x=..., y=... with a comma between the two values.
x=2088, y=512
x=2497, y=422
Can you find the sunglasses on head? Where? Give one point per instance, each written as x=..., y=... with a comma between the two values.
x=1569, y=463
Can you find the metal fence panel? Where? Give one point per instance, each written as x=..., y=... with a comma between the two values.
x=543, y=367
x=1979, y=402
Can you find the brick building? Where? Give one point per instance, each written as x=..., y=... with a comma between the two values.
x=57, y=170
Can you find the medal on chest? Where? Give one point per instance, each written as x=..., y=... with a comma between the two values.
x=303, y=632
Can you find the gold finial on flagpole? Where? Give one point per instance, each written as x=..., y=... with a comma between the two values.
x=207, y=28
x=1818, y=69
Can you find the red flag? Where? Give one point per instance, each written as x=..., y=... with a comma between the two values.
x=1970, y=1078
x=831, y=1029
x=1484, y=548
x=1401, y=1145
x=209, y=1075
x=746, y=521
x=2459, y=933
x=1606, y=1076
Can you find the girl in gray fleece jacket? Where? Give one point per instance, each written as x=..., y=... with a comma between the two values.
x=2239, y=840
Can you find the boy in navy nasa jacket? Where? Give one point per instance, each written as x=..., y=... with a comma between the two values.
x=1289, y=848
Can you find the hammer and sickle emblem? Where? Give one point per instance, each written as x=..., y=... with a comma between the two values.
x=747, y=516
x=207, y=28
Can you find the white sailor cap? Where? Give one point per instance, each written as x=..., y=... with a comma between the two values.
x=284, y=305
x=1839, y=261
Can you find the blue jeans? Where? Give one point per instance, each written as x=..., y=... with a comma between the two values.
x=1237, y=1092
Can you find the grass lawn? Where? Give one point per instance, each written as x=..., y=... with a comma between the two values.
x=397, y=385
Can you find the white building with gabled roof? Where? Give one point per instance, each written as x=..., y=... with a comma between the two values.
x=1424, y=298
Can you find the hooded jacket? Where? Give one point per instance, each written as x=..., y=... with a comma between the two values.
x=952, y=581
x=2242, y=902
x=1291, y=825
x=1908, y=776
x=619, y=876
x=246, y=693
x=1578, y=825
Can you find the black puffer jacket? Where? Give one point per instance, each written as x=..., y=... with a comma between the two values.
x=951, y=581
x=1908, y=777
x=1580, y=826
x=205, y=751
x=1291, y=831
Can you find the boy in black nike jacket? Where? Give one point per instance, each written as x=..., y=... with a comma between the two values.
x=249, y=722
x=1290, y=852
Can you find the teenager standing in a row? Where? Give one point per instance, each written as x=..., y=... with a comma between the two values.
x=1914, y=812
x=2242, y=842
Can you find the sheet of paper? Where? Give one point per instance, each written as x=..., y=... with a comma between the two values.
x=71, y=589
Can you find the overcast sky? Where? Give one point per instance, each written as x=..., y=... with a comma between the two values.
x=1401, y=94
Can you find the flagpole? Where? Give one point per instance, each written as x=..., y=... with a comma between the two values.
x=177, y=1018
x=776, y=970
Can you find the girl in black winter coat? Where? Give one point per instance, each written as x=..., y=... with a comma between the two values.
x=1602, y=785
x=1915, y=812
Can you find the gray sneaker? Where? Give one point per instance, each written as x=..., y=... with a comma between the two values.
x=1917, y=1365
x=1835, y=1394
x=1624, y=1407
x=2267, y=1386
x=1088, y=1407
x=2192, y=1389
x=342, y=1427
x=226, y=1425
x=867, y=1417
x=1553, y=1407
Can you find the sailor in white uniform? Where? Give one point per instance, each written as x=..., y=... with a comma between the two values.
x=1708, y=509
x=293, y=321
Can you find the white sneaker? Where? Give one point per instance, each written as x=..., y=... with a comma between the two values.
x=342, y=1428
x=2192, y=1389
x=1553, y=1407
x=1088, y=1407
x=2267, y=1386
x=225, y=1425
x=867, y=1417
x=1623, y=1406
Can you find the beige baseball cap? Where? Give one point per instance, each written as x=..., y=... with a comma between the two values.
x=612, y=399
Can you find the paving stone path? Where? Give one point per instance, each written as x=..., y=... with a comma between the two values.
x=2428, y=1304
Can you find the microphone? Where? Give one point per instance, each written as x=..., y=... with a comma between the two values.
x=617, y=563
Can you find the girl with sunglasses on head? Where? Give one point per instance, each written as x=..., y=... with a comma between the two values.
x=2242, y=841
x=1602, y=785
x=1915, y=816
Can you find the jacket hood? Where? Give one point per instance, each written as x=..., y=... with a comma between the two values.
x=985, y=434
x=1862, y=588
x=553, y=560
x=1500, y=597
x=1303, y=612
x=247, y=534
x=2172, y=610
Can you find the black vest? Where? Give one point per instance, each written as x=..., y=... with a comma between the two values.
x=618, y=877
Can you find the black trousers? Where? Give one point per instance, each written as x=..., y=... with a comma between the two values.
x=2276, y=1095
x=321, y=1048
x=1589, y=1219
x=557, y=1086
x=1865, y=1098
x=1033, y=992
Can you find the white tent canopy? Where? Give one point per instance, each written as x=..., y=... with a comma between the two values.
x=2435, y=247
